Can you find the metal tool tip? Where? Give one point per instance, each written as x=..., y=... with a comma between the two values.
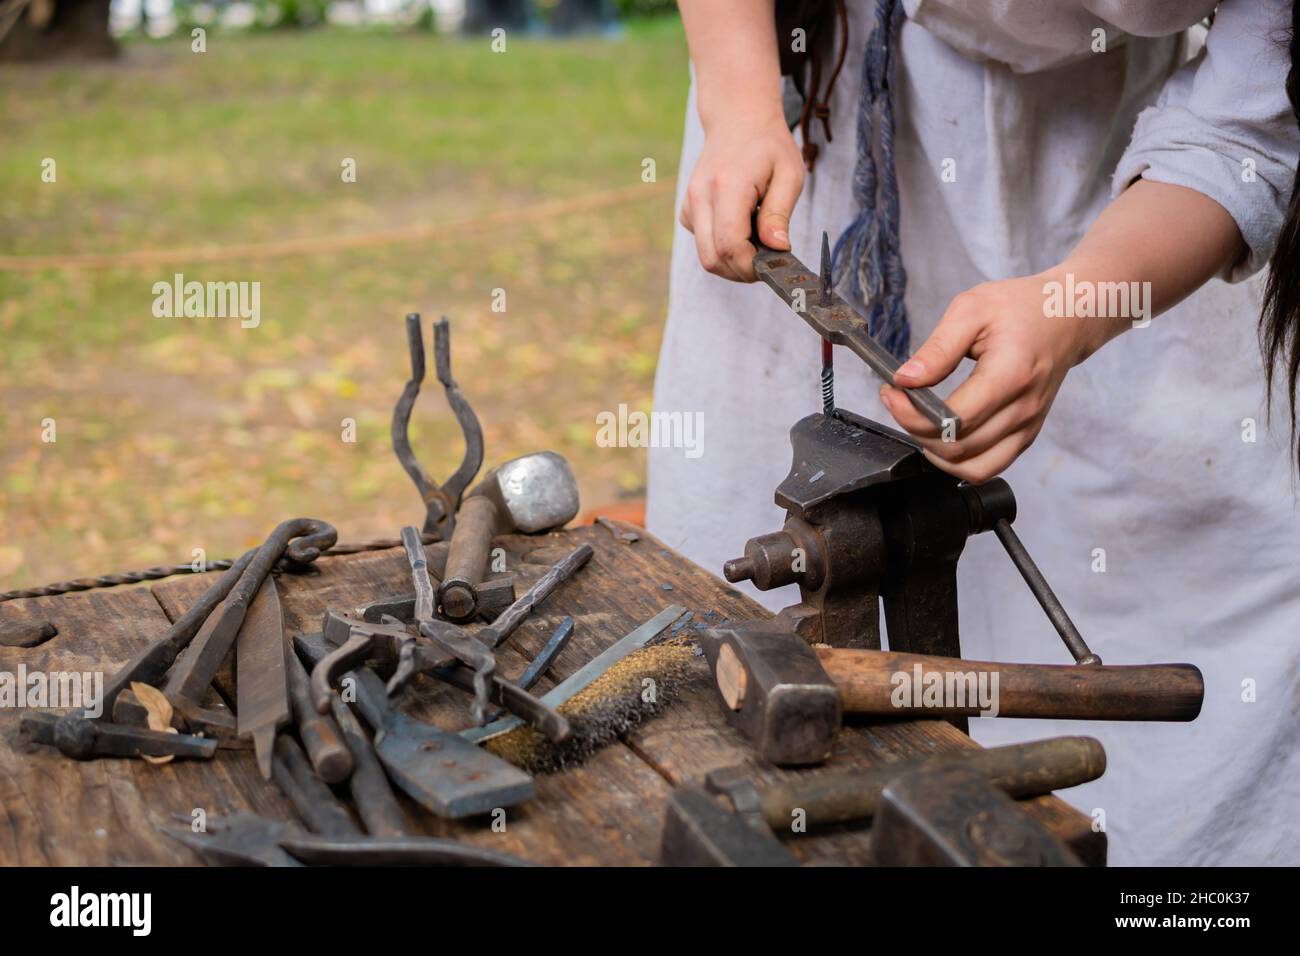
x=264, y=744
x=826, y=270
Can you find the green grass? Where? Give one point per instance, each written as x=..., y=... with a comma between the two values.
x=183, y=433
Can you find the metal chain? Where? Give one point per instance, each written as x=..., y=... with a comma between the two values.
x=167, y=571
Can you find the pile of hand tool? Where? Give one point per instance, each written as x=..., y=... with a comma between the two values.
x=869, y=521
x=227, y=676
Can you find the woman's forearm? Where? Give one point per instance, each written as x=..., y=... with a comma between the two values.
x=749, y=156
x=733, y=48
x=1168, y=240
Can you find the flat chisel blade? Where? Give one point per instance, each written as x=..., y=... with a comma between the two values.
x=261, y=682
x=438, y=769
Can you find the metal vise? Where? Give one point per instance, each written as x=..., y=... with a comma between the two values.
x=869, y=518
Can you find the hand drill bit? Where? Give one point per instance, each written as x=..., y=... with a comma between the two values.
x=828, y=356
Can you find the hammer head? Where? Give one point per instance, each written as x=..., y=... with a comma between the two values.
x=700, y=832
x=533, y=492
x=774, y=688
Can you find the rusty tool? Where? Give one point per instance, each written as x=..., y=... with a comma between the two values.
x=302, y=539
x=788, y=697
x=84, y=739
x=508, y=621
x=242, y=839
x=546, y=656
x=330, y=753
x=542, y=660
x=248, y=840
x=352, y=643
x=494, y=596
x=439, y=770
x=529, y=494
x=408, y=851
x=374, y=799
x=809, y=295
x=313, y=800
x=349, y=643
x=440, y=501
x=535, y=711
x=261, y=684
x=825, y=298
x=927, y=814
x=160, y=572
x=465, y=648
x=699, y=832
x=153, y=661
x=357, y=641
x=954, y=817
x=848, y=796
x=450, y=638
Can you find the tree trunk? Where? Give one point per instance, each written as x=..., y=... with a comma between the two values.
x=58, y=29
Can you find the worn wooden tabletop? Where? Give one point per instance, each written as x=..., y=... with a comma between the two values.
x=607, y=811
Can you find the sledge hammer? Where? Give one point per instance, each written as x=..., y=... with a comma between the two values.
x=952, y=809
x=788, y=697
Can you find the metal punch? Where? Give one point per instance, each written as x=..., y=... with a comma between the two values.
x=440, y=501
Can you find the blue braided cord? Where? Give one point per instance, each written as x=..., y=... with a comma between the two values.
x=869, y=253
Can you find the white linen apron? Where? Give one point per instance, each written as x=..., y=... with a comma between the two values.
x=1144, y=460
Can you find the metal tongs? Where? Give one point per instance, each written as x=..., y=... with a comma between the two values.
x=440, y=501
x=443, y=649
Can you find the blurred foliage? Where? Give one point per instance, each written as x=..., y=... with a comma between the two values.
x=182, y=433
x=646, y=8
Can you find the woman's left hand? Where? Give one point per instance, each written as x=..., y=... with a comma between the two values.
x=1021, y=357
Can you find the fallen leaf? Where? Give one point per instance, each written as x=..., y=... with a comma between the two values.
x=159, y=714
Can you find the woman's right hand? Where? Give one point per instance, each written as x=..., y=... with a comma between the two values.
x=745, y=161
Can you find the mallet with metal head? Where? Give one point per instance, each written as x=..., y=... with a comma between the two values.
x=529, y=494
x=788, y=697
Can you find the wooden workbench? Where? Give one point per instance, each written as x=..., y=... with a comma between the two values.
x=608, y=811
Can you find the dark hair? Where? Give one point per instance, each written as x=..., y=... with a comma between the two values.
x=1279, y=324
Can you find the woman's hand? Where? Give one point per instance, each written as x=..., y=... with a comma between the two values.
x=1022, y=349
x=745, y=160
x=749, y=155
x=1021, y=358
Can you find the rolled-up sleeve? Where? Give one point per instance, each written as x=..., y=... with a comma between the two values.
x=1223, y=126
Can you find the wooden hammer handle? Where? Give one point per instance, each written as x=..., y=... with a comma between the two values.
x=885, y=683
x=467, y=556
x=321, y=737
x=1019, y=770
x=471, y=541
